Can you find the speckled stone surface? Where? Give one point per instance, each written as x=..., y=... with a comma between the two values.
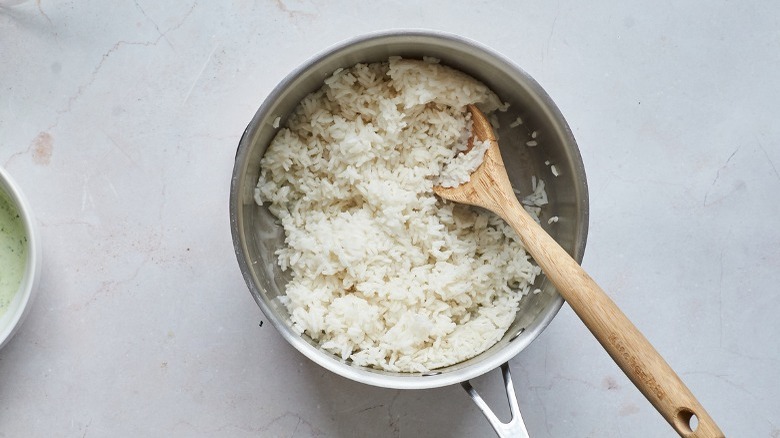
x=120, y=122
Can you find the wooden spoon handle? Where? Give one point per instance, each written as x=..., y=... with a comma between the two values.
x=622, y=340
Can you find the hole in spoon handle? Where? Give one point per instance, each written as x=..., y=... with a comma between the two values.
x=695, y=423
x=687, y=421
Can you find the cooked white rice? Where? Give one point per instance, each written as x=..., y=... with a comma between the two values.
x=458, y=170
x=384, y=273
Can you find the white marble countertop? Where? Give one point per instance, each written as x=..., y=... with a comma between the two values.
x=120, y=121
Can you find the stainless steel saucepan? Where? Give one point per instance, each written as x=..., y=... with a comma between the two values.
x=257, y=235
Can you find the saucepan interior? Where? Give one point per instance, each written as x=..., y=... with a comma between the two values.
x=256, y=233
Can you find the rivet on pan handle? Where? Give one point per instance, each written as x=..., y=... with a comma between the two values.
x=515, y=428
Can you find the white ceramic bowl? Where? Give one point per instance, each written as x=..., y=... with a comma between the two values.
x=20, y=305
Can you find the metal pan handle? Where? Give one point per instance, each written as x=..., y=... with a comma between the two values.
x=515, y=428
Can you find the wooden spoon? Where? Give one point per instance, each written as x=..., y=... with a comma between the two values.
x=489, y=188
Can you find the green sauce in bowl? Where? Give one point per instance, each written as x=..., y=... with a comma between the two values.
x=13, y=251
